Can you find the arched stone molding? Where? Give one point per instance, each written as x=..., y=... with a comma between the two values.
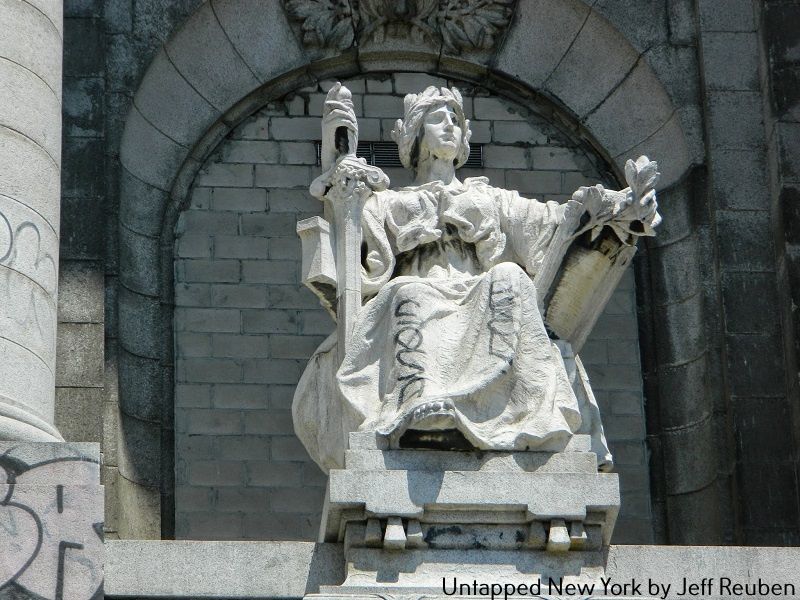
x=233, y=56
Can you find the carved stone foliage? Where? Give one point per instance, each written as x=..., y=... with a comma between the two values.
x=457, y=25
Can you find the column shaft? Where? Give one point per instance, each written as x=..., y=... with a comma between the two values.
x=30, y=193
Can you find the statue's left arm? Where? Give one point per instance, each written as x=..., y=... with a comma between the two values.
x=576, y=252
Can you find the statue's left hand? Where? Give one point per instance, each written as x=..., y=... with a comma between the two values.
x=643, y=209
x=639, y=208
x=630, y=212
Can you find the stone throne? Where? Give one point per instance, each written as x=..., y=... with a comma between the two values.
x=415, y=504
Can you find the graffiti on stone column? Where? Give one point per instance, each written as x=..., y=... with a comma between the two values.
x=51, y=528
x=27, y=306
x=21, y=249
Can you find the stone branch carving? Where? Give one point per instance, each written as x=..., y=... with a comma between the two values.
x=457, y=25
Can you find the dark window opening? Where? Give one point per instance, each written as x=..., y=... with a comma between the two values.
x=385, y=154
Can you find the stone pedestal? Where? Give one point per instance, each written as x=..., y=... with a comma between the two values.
x=51, y=521
x=419, y=522
x=30, y=196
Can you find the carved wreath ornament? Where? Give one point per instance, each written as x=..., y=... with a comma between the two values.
x=456, y=24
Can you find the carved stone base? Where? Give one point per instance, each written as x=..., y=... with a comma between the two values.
x=414, y=520
x=408, y=499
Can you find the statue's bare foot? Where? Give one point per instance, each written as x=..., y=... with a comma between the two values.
x=433, y=416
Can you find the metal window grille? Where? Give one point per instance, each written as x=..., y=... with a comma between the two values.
x=385, y=154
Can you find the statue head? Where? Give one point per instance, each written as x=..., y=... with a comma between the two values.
x=409, y=131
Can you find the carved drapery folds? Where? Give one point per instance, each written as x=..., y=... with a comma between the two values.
x=456, y=25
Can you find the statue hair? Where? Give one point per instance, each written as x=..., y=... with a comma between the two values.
x=409, y=130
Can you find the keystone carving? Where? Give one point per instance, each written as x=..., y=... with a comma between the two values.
x=456, y=25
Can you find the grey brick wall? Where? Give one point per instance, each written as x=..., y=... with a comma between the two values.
x=245, y=326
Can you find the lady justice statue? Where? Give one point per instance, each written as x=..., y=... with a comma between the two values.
x=460, y=306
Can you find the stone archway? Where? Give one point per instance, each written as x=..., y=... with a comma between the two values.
x=233, y=56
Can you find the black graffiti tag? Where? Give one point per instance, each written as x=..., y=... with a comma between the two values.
x=502, y=337
x=408, y=340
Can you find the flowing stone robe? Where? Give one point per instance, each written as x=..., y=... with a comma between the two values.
x=450, y=336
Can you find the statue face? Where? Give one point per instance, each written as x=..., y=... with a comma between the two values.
x=441, y=134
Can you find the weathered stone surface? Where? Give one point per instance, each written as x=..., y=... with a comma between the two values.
x=31, y=106
x=148, y=315
x=203, y=54
x=678, y=70
x=740, y=230
x=20, y=319
x=722, y=73
x=622, y=121
x=253, y=569
x=597, y=53
x=34, y=453
x=140, y=387
x=79, y=413
x=172, y=104
x=140, y=253
x=34, y=41
x=157, y=165
x=267, y=55
x=680, y=328
x=684, y=385
x=544, y=29
x=686, y=474
x=88, y=32
x=743, y=108
x=749, y=300
x=81, y=292
x=676, y=276
x=749, y=190
x=83, y=157
x=727, y=15
x=755, y=365
x=82, y=344
x=145, y=215
x=29, y=175
x=141, y=506
x=140, y=464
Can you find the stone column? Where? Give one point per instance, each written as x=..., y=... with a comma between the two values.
x=30, y=193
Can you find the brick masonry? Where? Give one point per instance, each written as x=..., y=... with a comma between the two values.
x=245, y=326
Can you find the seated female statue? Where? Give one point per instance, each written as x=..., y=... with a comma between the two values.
x=450, y=341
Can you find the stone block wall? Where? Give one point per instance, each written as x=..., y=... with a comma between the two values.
x=245, y=325
x=107, y=47
x=82, y=399
x=780, y=74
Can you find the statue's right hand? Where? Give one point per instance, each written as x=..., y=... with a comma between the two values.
x=337, y=112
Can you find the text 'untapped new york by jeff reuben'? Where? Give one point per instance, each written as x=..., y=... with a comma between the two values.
x=707, y=586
